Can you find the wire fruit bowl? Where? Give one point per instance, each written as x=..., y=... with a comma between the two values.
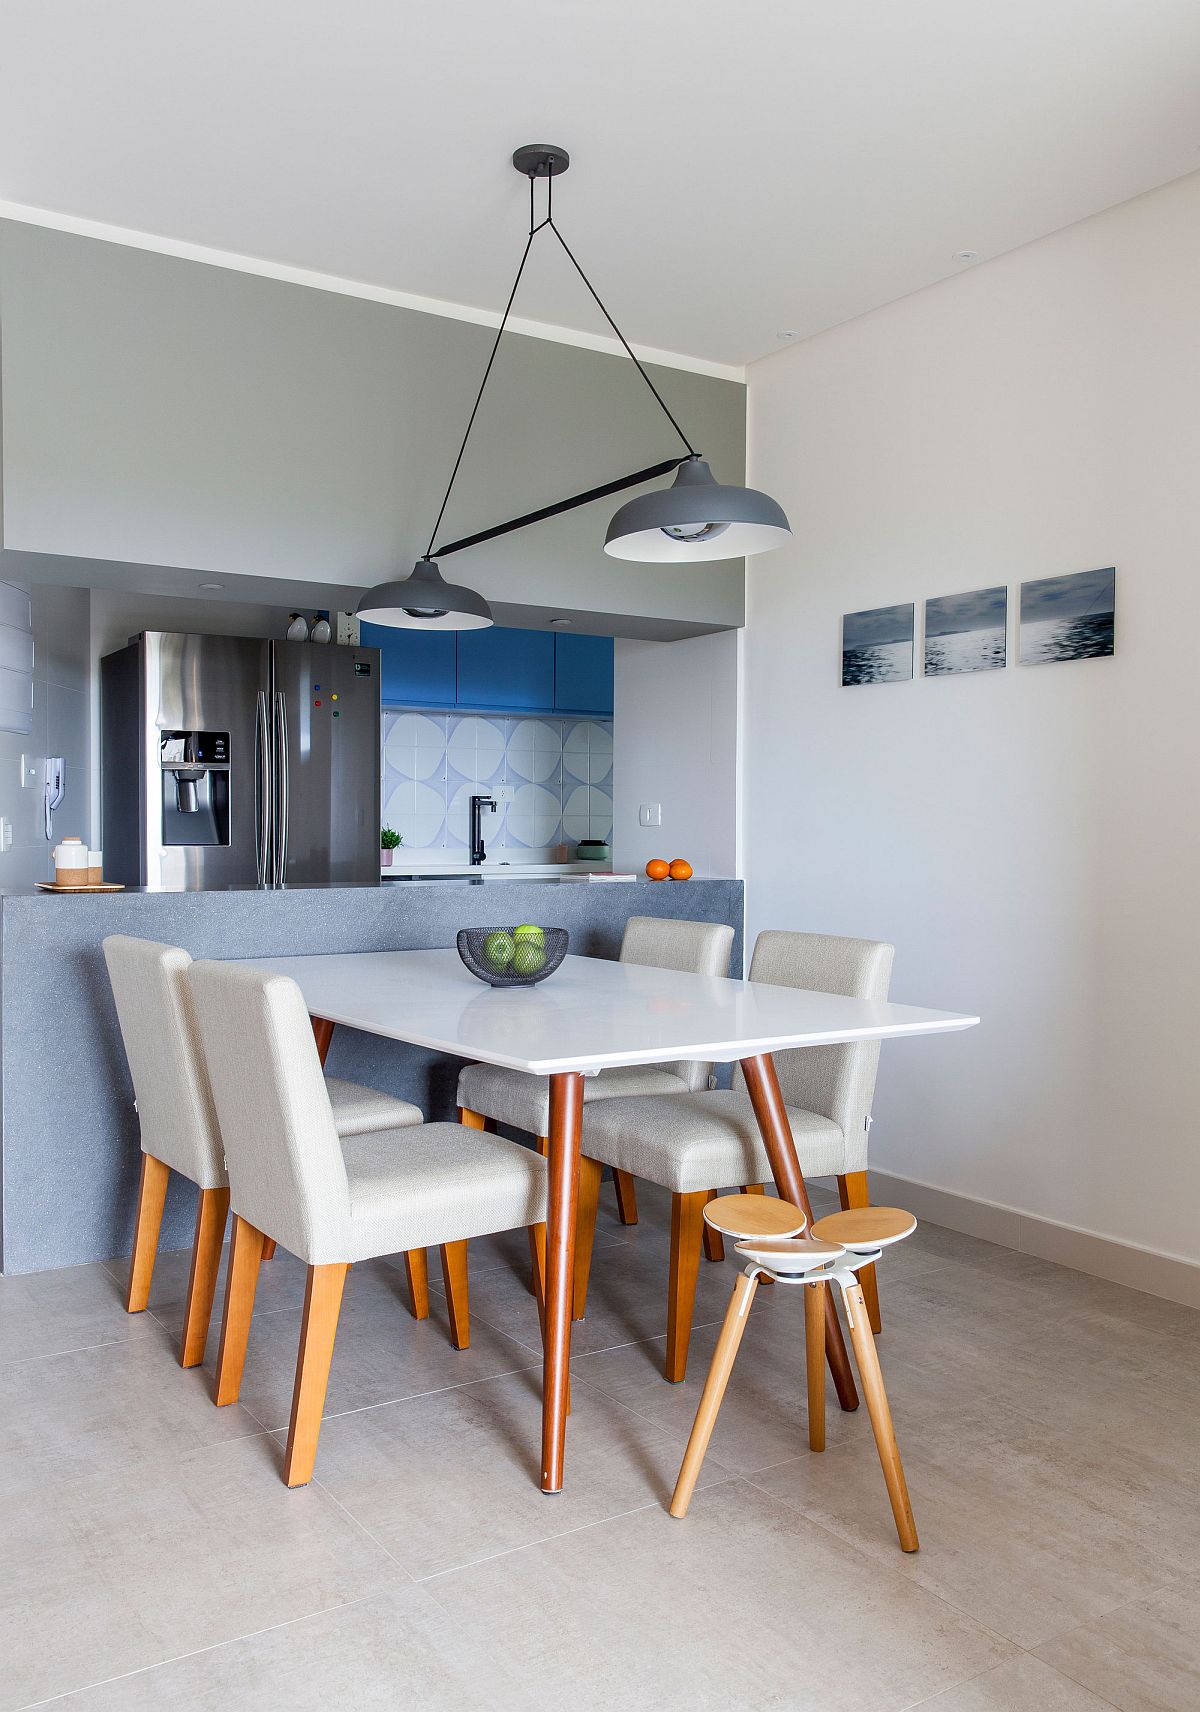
x=512, y=956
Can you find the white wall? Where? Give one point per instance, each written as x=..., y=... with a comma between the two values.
x=1028, y=838
x=675, y=733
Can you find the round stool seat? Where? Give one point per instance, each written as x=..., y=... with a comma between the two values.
x=790, y=1257
x=754, y=1215
x=865, y=1228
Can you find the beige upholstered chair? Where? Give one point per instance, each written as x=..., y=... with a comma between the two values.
x=331, y=1205
x=695, y=1144
x=490, y=1094
x=178, y=1125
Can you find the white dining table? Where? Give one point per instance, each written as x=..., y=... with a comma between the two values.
x=589, y=1015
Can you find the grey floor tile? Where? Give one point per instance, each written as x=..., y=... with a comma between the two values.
x=1144, y=1657
x=395, y=1649
x=449, y=1479
x=121, y=1570
x=1030, y=1534
x=382, y=1354
x=733, y=1607
x=96, y=1411
x=1022, y=1684
x=45, y=1313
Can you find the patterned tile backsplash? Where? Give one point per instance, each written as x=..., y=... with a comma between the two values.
x=433, y=763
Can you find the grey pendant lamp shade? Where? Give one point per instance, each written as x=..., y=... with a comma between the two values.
x=696, y=518
x=425, y=601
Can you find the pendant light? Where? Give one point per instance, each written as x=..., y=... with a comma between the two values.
x=695, y=518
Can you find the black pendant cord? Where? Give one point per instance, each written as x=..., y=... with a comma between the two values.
x=613, y=487
x=483, y=383
x=625, y=342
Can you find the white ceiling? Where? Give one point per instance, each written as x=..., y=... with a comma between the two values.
x=739, y=169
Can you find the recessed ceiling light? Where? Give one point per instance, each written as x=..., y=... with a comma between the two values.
x=785, y=333
x=965, y=256
x=561, y=623
x=212, y=585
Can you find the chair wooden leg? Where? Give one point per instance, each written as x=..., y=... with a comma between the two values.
x=454, y=1277
x=211, y=1212
x=152, y=1192
x=711, y=1397
x=543, y=1145
x=687, y=1224
x=472, y=1120
x=852, y=1192
x=714, y=1243
x=626, y=1189
x=245, y=1252
x=416, y=1267
x=318, y=1329
x=814, y=1355
x=587, y=1206
x=754, y=1189
x=881, y=1417
x=268, y=1252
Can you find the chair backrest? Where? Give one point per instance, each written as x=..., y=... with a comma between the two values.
x=836, y=1082
x=170, y=1082
x=696, y=947
x=287, y=1176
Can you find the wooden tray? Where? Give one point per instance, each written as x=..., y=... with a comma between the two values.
x=53, y=886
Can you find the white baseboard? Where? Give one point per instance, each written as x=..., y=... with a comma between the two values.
x=1168, y=1275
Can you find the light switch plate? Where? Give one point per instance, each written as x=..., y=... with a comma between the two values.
x=650, y=814
x=31, y=772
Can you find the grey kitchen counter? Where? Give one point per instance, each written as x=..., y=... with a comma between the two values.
x=69, y=1145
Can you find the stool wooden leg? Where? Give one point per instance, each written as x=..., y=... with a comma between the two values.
x=626, y=1189
x=852, y=1192
x=714, y=1391
x=245, y=1252
x=211, y=1211
x=687, y=1224
x=268, y=1252
x=814, y=1354
x=152, y=1192
x=454, y=1277
x=881, y=1417
x=318, y=1329
x=587, y=1206
x=416, y=1268
x=714, y=1245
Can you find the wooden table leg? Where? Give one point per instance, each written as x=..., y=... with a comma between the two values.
x=566, y=1113
x=762, y=1085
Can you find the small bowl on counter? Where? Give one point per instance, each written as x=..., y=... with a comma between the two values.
x=512, y=956
x=592, y=850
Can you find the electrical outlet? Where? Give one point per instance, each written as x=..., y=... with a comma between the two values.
x=31, y=772
x=650, y=814
x=502, y=794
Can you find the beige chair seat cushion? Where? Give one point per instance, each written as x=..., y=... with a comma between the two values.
x=357, y=1109
x=513, y=1097
x=414, y=1188
x=707, y=1140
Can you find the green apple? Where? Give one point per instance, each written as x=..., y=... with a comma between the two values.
x=528, y=931
x=528, y=958
x=498, y=948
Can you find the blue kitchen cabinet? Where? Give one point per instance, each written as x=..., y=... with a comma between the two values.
x=506, y=670
x=417, y=667
x=583, y=674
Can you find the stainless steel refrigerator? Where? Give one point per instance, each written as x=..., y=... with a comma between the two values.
x=228, y=761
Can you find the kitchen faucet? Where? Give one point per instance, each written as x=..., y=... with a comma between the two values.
x=478, y=852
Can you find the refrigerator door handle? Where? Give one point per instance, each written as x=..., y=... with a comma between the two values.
x=264, y=791
x=281, y=789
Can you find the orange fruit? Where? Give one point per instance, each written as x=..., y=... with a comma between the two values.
x=680, y=870
x=657, y=869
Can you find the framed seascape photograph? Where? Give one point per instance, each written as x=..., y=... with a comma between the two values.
x=877, y=645
x=966, y=632
x=1068, y=618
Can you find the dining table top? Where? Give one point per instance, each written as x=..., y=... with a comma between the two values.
x=590, y=1014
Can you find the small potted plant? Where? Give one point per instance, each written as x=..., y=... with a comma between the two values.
x=388, y=841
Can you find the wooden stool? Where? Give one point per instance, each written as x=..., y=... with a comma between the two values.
x=833, y=1253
